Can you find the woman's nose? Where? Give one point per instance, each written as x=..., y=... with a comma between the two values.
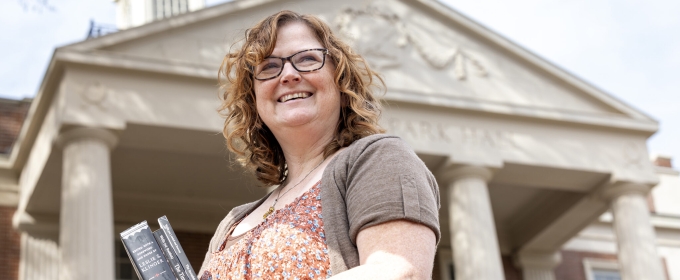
x=289, y=74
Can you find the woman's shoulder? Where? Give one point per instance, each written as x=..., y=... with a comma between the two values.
x=374, y=150
x=377, y=141
x=377, y=144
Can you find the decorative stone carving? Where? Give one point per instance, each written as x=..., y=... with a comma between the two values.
x=95, y=94
x=394, y=31
x=634, y=155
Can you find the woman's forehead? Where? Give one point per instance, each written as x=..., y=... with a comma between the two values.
x=294, y=37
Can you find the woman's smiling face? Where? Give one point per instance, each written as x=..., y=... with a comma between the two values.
x=294, y=99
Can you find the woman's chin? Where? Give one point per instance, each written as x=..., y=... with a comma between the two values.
x=296, y=120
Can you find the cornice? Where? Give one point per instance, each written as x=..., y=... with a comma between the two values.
x=35, y=116
x=129, y=62
x=646, y=127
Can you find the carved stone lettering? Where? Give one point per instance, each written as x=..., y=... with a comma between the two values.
x=436, y=132
x=487, y=138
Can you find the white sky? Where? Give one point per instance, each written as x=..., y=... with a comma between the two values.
x=628, y=48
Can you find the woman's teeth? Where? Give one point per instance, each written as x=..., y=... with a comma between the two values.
x=294, y=96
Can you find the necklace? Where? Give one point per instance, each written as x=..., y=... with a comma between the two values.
x=271, y=208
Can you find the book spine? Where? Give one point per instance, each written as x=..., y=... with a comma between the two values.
x=132, y=260
x=169, y=254
x=145, y=254
x=177, y=248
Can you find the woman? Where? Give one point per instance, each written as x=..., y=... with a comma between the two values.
x=351, y=203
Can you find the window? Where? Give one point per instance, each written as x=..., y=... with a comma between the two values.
x=598, y=269
x=605, y=274
x=124, y=269
x=167, y=8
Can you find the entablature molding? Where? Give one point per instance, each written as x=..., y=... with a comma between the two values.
x=111, y=99
x=479, y=139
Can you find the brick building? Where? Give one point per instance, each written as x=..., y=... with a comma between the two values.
x=124, y=129
x=12, y=116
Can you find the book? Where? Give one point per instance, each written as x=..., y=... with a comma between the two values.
x=170, y=255
x=156, y=255
x=146, y=256
x=177, y=248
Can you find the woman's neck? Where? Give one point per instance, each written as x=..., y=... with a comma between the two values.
x=303, y=152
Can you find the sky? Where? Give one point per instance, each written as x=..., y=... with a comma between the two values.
x=627, y=48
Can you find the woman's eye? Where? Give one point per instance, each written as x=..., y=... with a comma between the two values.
x=307, y=61
x=269, y=66
x=309, y=58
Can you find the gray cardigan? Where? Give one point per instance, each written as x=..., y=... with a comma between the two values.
x=375, y=180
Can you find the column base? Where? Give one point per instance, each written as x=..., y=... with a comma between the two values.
x=538, y=266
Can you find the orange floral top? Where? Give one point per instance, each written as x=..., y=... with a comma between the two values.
x=289, y=244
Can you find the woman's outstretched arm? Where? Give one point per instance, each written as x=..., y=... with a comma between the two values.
x=397, y=249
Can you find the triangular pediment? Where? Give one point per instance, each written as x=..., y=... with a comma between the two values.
x=426, y=52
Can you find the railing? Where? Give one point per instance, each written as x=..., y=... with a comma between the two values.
x=97, y=30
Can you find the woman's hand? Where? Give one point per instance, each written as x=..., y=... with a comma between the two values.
x=394, y=250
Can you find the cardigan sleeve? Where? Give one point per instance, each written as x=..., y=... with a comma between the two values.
x=386, y=181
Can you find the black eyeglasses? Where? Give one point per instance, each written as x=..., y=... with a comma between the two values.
x=303, y=61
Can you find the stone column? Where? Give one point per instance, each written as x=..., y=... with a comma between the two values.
x=86, y=232
x=476, y=254
x=635, y=235
x=538, y=266
x=39, y=257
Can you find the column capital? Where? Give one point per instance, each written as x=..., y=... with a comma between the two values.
x=39, y=225
x=79, y=133
x=635, y=235
x=451, y=173
x=617, y=189
x=537, y=260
